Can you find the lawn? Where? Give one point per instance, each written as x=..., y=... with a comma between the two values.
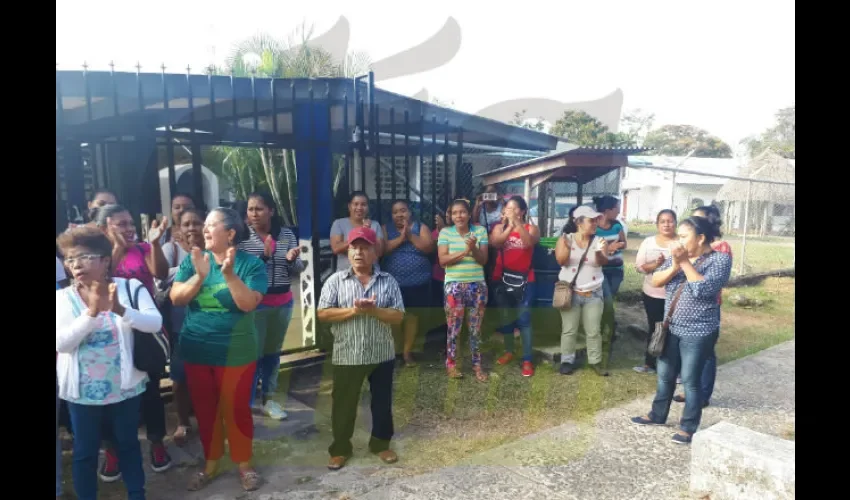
x=441, y=422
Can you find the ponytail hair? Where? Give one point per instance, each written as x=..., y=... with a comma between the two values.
x=708, y=226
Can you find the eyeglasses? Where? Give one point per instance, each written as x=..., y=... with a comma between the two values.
x=84, y=259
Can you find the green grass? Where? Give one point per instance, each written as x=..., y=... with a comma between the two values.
x=440, y=422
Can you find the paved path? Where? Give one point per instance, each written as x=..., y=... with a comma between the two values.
x=608, y=458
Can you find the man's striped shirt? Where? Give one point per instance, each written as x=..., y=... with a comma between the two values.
x=361, y=340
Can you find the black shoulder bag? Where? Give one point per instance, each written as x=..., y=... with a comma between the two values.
x=510, y=290
x=150, y=350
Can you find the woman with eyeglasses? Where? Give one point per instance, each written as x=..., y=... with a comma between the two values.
x=222, y=287
x=96, y=374
x=134, y=259
x=463, y=253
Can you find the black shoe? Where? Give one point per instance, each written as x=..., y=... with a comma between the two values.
x=602, y=372
x=567, y=369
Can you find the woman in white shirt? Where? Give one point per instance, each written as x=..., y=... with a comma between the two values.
x=651, y=254
x=96, y=374
x=579, y=252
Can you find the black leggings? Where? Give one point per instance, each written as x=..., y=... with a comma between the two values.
x=654, y=313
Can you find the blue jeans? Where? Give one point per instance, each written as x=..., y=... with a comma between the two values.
x=58, y=448
x=523, y=322
x=88, y=420
x=613, y=279
x=685, y=355
x=610, y=287
x=272, y=323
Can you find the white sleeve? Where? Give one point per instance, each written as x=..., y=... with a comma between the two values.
x=60, y=271
x=147, y=317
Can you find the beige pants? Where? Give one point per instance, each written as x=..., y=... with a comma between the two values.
x=587, y=312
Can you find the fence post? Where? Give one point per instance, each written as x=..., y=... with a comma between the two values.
x=746, y=223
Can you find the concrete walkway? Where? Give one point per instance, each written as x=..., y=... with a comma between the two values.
x=609, y=458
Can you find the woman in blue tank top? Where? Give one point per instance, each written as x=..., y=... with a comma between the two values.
x=406, y=259
x=612, y=231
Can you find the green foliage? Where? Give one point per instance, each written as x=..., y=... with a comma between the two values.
x=679, y=140
x=249, y=169
x=521, y=120
x=781, y=138
x=580, y=128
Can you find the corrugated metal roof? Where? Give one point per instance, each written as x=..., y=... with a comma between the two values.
x=572, y=151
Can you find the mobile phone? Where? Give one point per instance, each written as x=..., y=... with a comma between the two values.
x=489, y=196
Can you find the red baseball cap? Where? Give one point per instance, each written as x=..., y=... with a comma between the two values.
x=362, y=233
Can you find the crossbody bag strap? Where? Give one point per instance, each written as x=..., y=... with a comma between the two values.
x=675, y=300
x=581, y=261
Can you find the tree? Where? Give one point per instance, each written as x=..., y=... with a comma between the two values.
x=266, y=56
x=580, y=128
x=521, y=120
x=636, y=124
x=780, y=138
x=679, y=140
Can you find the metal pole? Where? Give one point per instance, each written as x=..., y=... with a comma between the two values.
x=746, y=223
x=673, y=192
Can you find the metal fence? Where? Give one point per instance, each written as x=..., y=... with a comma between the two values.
x=757, y=207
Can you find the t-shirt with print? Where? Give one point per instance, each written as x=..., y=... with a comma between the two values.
x=468, y=270
x=216, y=332
x=612, y=235
x=341, y=227
x=134, y=265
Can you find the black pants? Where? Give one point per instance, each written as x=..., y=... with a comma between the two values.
x=654, y=314
x=347, y=382
x=153, y=414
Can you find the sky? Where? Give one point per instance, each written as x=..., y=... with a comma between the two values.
x=725, y=66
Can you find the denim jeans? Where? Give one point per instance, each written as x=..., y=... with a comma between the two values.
x=709, y=373
x=685, y=355
x=272, y=323
x=153, y=414
x=58, y=448
x=88, y=421
x=523, y=322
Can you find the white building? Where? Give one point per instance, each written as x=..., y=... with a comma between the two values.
x=644, y=191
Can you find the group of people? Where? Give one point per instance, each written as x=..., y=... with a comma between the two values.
x=218, y=288
x=219, y=284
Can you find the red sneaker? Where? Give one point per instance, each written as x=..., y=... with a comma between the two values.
x=527, y=369
x=505, y=359
x=109, y=471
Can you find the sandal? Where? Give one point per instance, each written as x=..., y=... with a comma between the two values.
x=250, y=480
x=199, y=481
x=480, y=375
x=181, y=435
x=454, y=373
x=408, y=361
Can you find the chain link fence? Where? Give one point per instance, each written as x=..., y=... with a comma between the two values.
x=757, y=206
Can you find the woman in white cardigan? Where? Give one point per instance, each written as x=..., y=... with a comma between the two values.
x=94, y=342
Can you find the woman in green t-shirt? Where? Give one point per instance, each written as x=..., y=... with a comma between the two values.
x=463, y=253
x=218, y=343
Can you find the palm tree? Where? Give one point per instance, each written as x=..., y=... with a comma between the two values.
x=265, y=56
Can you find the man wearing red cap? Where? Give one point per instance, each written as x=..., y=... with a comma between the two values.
x=363, y=304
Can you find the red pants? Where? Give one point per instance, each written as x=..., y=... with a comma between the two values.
x=221, y=399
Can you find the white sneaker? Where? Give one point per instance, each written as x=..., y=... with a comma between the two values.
x=274, y=411
x=643, y=369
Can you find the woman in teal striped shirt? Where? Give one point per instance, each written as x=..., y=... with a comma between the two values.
x=612, y=231
x=463, y=253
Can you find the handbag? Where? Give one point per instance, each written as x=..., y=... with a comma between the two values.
x=150, y=350
x=563, y=297
x=662, y=328
x=510, y=290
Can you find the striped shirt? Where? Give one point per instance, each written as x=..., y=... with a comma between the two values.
x=361, y=340
x=468, y=270
x=612, y=235
x=277, y=267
